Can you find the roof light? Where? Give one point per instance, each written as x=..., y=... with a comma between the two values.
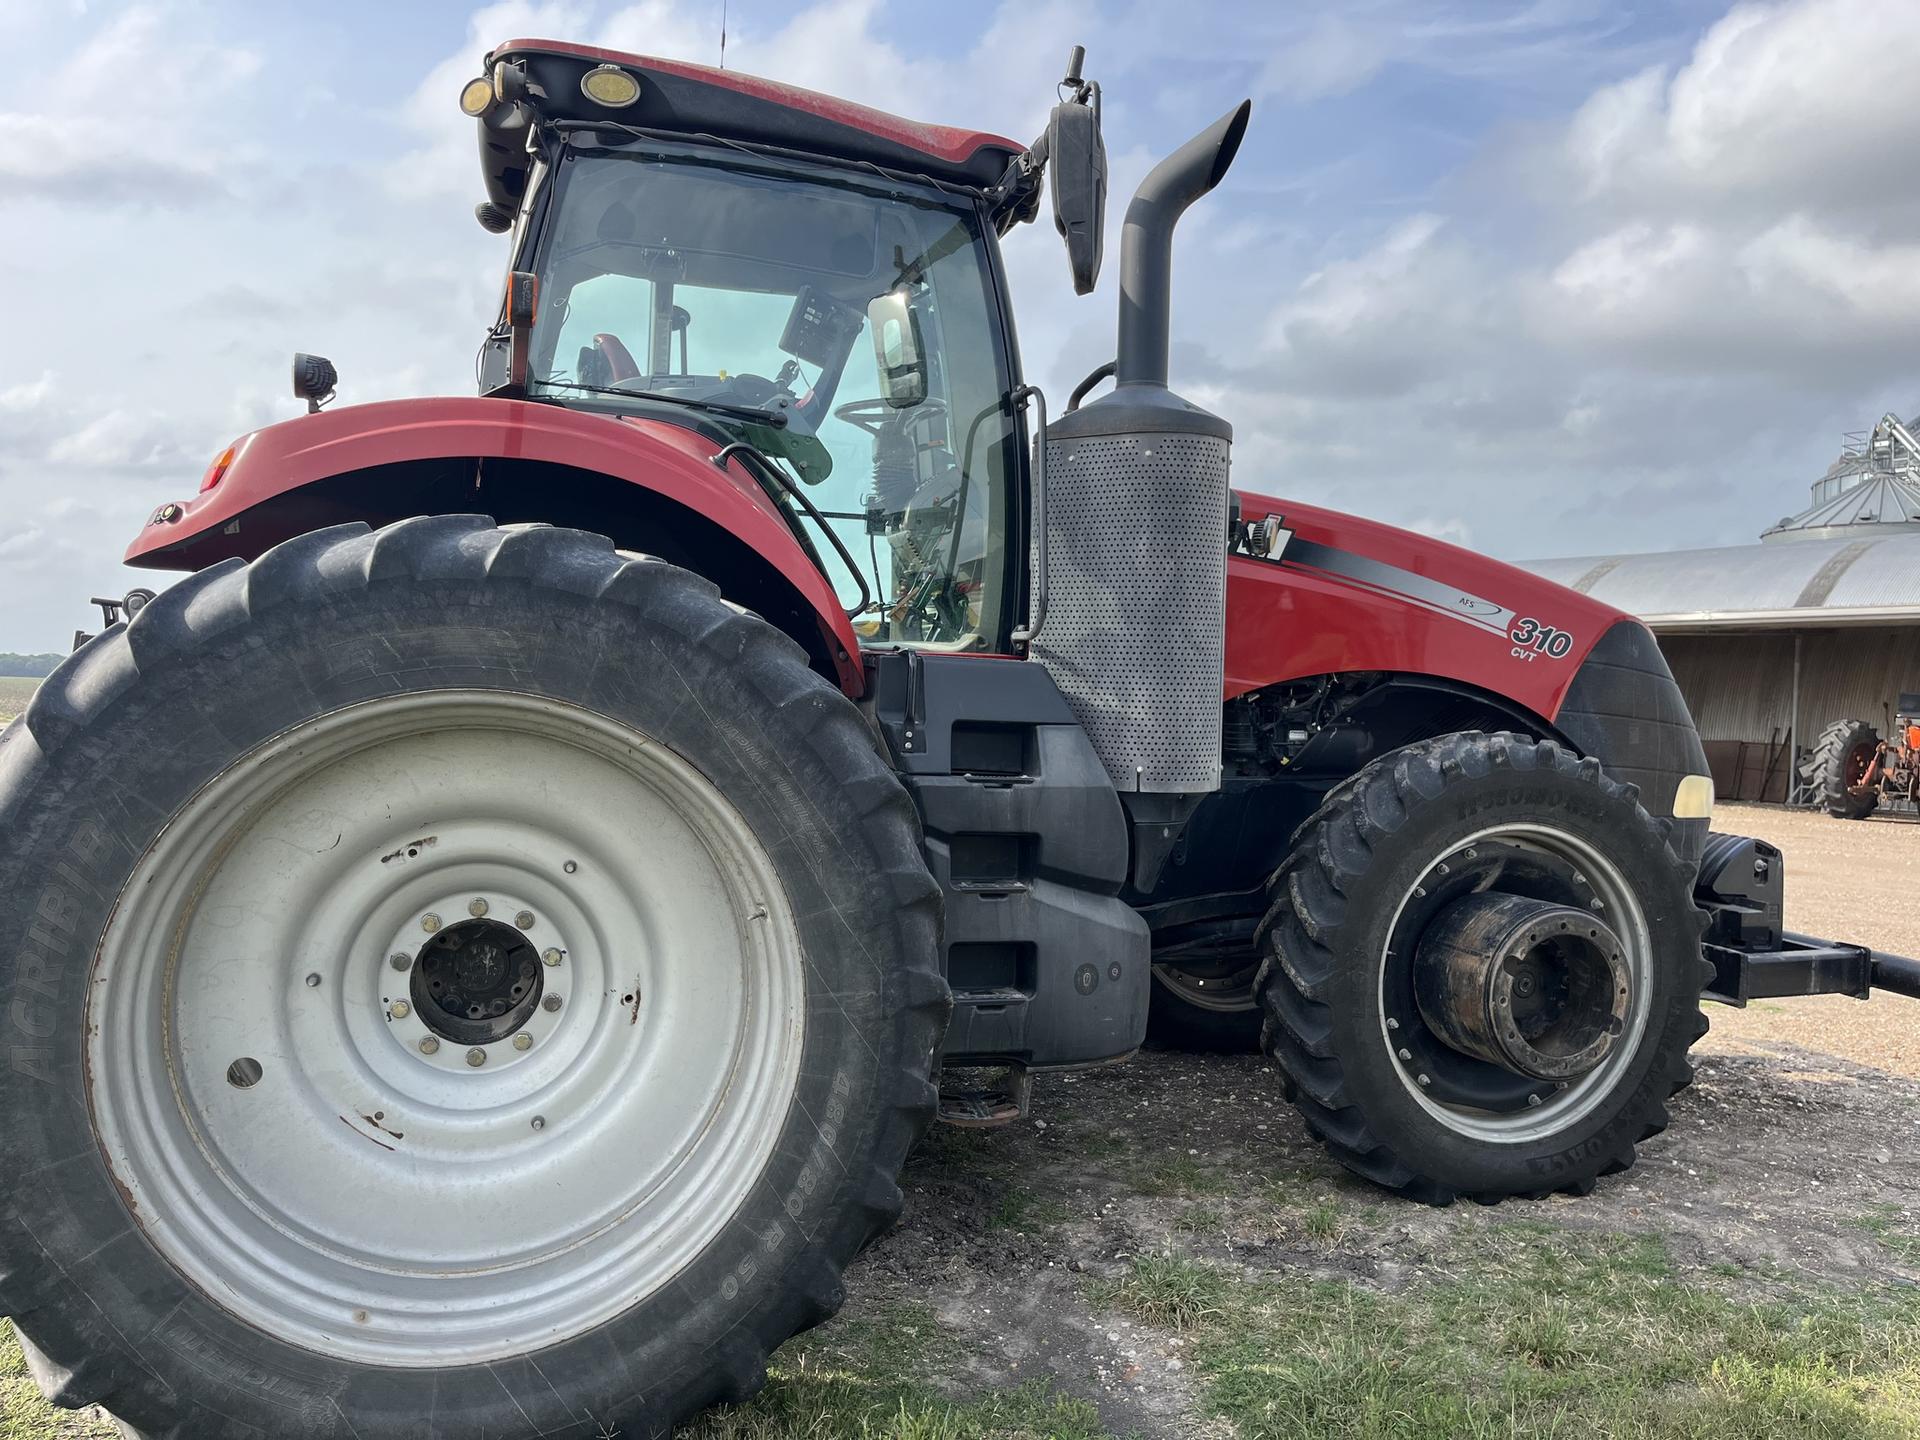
x=476, y=97
x=610, y=86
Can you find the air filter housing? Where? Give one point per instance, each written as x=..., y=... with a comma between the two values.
x=1135, y=635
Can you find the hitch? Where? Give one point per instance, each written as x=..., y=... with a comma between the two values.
x=1742, y=887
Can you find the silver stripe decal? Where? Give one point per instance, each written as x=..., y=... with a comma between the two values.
x=1388, y=579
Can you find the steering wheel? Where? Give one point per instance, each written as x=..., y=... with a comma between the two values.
x=876, y=415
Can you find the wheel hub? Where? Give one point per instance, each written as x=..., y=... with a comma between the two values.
x=1537, y=988
x=477, y=983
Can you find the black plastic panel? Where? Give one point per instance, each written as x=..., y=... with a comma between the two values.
x=1029, y=841
x=1624, y=710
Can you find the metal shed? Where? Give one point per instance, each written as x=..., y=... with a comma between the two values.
x=1771, y=642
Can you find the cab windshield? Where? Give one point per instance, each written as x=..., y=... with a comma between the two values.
x=755, y=297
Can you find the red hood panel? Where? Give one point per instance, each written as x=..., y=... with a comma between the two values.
x=1349, y=594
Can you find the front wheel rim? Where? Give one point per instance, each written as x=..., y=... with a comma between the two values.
x=1551, y=1109
x=303, y=1141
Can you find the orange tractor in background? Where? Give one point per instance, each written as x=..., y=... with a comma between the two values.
x=1852, y=772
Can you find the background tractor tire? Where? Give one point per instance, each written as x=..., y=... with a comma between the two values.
x=1185, y=1017
x=1837, y=764
x=378, y=717
x=1391, y=1100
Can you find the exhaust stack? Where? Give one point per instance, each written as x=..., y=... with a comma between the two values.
x=1132, y=555
x=1146, y=244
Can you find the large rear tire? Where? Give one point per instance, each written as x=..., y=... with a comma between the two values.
x=267, y=1175
x=1838, y=764
x=1384, y=858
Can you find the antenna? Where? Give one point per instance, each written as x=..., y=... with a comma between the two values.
x=723, y=34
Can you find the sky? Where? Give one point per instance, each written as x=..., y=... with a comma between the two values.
x=1546, y=277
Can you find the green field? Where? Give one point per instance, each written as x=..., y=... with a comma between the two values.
x=14, y=694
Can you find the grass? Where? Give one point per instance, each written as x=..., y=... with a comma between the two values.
x=1026, y=1213
x=1545, y=1337
x=861, y=1380
x=1182, y=1175
x=1894, y=1229
x=851, y=1380
x=15, y=691
x=1532, y=1333
x=24, y=1415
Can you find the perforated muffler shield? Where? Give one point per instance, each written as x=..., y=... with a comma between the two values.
x=1135, y=633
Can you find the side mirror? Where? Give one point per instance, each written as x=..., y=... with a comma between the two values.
x=1077, y=163
x=898, y=354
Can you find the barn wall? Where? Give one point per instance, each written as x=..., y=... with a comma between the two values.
x=1740, y=687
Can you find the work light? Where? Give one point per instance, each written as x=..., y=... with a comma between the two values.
x=476, y=95
x=610, y=86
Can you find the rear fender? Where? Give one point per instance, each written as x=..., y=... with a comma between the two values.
x=651, y=485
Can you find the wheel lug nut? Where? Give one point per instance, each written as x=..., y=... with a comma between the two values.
x=1406, y=1054
x=429, y=922
x=524, y=919
x=539, y=1122
x=429, y=1046
x=551, y=957
x=313, y=982
x=476, y=1057
x=571, y=866
x=400, y=1010
x=476, y=908
x=399, y=961
x=1425, y=1080
x=523, y=1041
x=1533, y=1099
x=551, y=1003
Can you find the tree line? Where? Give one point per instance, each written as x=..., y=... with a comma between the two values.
x=34, y=666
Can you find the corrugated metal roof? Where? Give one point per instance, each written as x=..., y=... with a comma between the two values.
x=1858, y=579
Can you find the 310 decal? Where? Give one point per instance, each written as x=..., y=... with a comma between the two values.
x=1530, y=638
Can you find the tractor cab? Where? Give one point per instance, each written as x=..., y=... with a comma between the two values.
x=814, y=283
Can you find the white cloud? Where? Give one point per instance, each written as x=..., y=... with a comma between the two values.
x=1812, y=100
x=121, y=440
x=75, y=142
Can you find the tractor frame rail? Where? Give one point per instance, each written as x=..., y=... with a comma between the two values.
x=1742, y=888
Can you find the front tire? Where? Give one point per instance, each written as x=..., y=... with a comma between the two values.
x=255, y=844
x=1441, y=821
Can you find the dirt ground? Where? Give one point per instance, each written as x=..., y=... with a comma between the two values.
x=1792, y=1159
x=1846, y=880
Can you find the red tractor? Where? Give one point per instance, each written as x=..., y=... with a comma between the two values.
x=483, y=943
x=1851, y=771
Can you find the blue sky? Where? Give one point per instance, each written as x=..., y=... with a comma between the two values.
x=1552, y=277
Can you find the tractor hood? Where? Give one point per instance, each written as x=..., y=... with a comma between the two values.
x=1338, y=593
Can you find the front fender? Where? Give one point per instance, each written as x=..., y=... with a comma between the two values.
x=270, y=490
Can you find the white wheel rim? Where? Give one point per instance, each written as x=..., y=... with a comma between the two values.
x=370, y=1201
x=1559, y=1107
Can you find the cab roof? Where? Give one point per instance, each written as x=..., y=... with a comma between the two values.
x=679, y=97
